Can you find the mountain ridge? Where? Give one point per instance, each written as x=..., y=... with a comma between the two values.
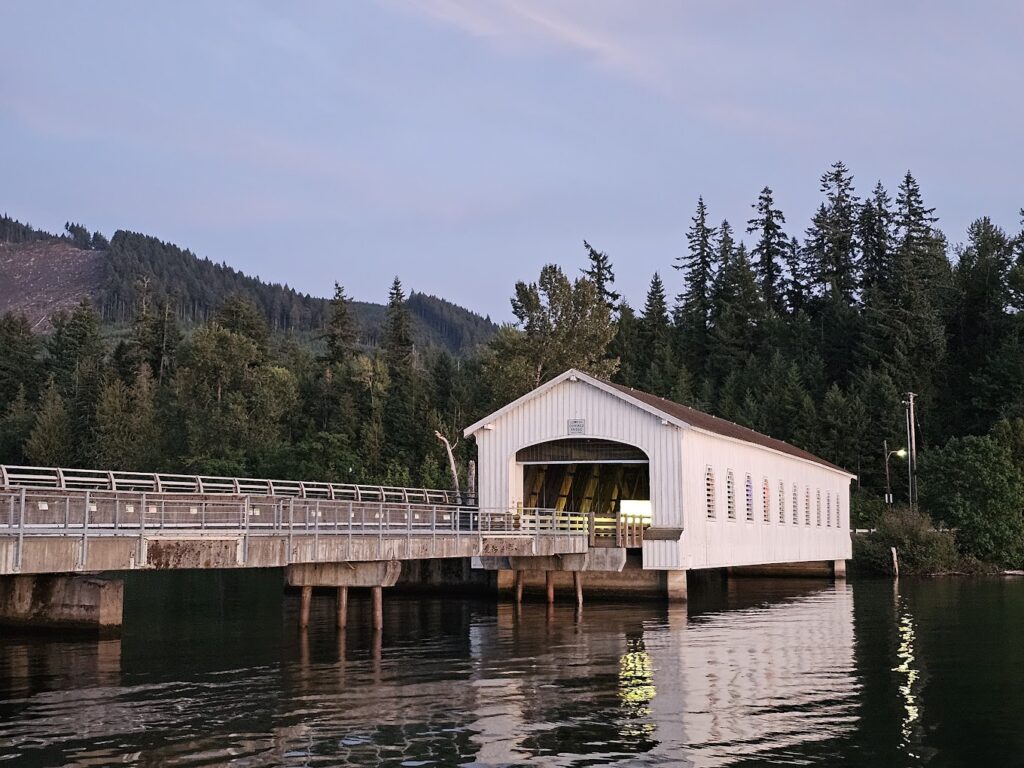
x=42, y=274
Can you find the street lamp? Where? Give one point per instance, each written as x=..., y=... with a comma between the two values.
x=901, y=452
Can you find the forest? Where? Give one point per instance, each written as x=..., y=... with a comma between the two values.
x=811, y=336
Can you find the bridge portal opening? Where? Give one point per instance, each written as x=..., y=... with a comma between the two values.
x=587, y=476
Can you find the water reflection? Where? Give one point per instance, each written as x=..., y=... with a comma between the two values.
x=763, y=682
x=763, y=674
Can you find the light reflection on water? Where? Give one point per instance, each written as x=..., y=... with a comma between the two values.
x=763, y=674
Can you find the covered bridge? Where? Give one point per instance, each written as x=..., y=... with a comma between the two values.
x=707, y=492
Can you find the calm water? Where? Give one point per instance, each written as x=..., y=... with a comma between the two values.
x=212, y=671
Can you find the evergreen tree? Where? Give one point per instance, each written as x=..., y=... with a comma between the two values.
x=875, y=232
x=15, y=428
x=398, y=343
x=831, y=245
x=115, y=443
x=771, y=250
x=694, y=304
x=737, y=309
x=979, y=326
x=625, y=347
x=240, y=315
x=404, y=430
x=601, y=275
x=51, y=442
x=341, y=334
x=798, y=280
x=19, y=358
x=905, y=333
x=656, y=369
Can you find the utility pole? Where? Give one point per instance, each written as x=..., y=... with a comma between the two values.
x=912, y=450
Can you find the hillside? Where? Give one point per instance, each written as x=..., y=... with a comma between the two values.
x=41, y=274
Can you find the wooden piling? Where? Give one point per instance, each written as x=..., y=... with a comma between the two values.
x=342, y=607
x=378, y=607
x=307, y=601
x=549, y=582
x=577, y=583
x=520, y=578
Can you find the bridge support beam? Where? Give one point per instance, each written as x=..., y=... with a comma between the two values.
x=305, y=605
x=839, y=570
x=62, y=601
x=675, y=586
x=342, y=607
x=373, y=575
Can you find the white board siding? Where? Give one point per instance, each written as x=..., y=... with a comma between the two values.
x=606, y=417
x=723, y=542
x=679, y=456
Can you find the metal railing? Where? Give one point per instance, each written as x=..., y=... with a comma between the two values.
x=40, y=511
x=147, y=482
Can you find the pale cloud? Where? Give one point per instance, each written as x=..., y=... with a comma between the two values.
x=522, y=25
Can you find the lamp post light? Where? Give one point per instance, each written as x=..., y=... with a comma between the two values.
x=901, y=452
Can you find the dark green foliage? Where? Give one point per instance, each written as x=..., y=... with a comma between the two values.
x=771, y=249
x=52, y=441
x=20, y=366
x=15, y=427
x=975, y=484
x=919, y=547
x=342, y=333
x=12, y=231
x=693, y=311
x=654, y=336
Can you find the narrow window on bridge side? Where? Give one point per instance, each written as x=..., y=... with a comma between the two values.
x=730, y=495
x=709, y=492
x=807, y=506
x=782, y=502
x=766, y=500
x=749, y=488
x=839, y=517
x=828, y=509
x=796, y=506
x=817, y=509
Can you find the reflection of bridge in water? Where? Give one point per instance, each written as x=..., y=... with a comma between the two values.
x=622, y=685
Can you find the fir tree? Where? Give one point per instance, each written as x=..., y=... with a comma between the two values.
x=341, y=334
x=601, y=275
x=15, y=428
x=771, y=249
x=51, y=442
x=655, y=364
x=831, y=245
x=403, y=429
x=398, y=344
x=19, y=358
x=694, y=304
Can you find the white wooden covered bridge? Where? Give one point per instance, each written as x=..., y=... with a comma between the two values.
x=709, y=493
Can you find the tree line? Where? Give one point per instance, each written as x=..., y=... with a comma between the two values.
x=813, y=337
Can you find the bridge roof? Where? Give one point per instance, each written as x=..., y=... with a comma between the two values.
x=682, y=416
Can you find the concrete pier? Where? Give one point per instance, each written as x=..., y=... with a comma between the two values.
x=62, y=601
x=342, y=576
x=342, y=607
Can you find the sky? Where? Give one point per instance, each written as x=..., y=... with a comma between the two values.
x=463, y=144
